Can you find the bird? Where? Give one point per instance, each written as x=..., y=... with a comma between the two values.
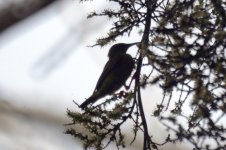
x=115, y=73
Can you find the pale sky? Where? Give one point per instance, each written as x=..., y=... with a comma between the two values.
x=45, y=64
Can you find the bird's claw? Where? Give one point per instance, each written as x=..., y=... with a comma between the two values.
x=122, y=94
x=127, y=87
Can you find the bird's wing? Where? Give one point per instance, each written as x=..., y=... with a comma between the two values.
x=110, y=65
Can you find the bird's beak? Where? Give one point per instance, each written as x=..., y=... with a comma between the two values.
x=136, y=43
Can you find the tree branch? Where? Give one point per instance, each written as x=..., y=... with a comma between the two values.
x=144, y=46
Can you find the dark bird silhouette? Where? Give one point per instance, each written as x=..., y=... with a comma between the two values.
x=115, y=73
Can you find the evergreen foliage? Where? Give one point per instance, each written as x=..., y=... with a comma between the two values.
x=184, y=43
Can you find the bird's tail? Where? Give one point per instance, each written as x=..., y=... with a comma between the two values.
x=88, y=101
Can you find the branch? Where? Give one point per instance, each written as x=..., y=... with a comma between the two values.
x=144, y=46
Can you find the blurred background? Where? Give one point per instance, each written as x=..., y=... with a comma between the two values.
x=45, y=64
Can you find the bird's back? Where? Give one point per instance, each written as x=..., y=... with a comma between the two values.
x=118, y=75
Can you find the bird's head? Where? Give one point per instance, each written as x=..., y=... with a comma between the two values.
x=119, y=48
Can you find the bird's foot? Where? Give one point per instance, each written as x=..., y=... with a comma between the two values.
x=127, y=87
x=122, y=94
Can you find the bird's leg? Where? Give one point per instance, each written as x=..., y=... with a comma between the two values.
x=122, y=94
x=128, y=86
